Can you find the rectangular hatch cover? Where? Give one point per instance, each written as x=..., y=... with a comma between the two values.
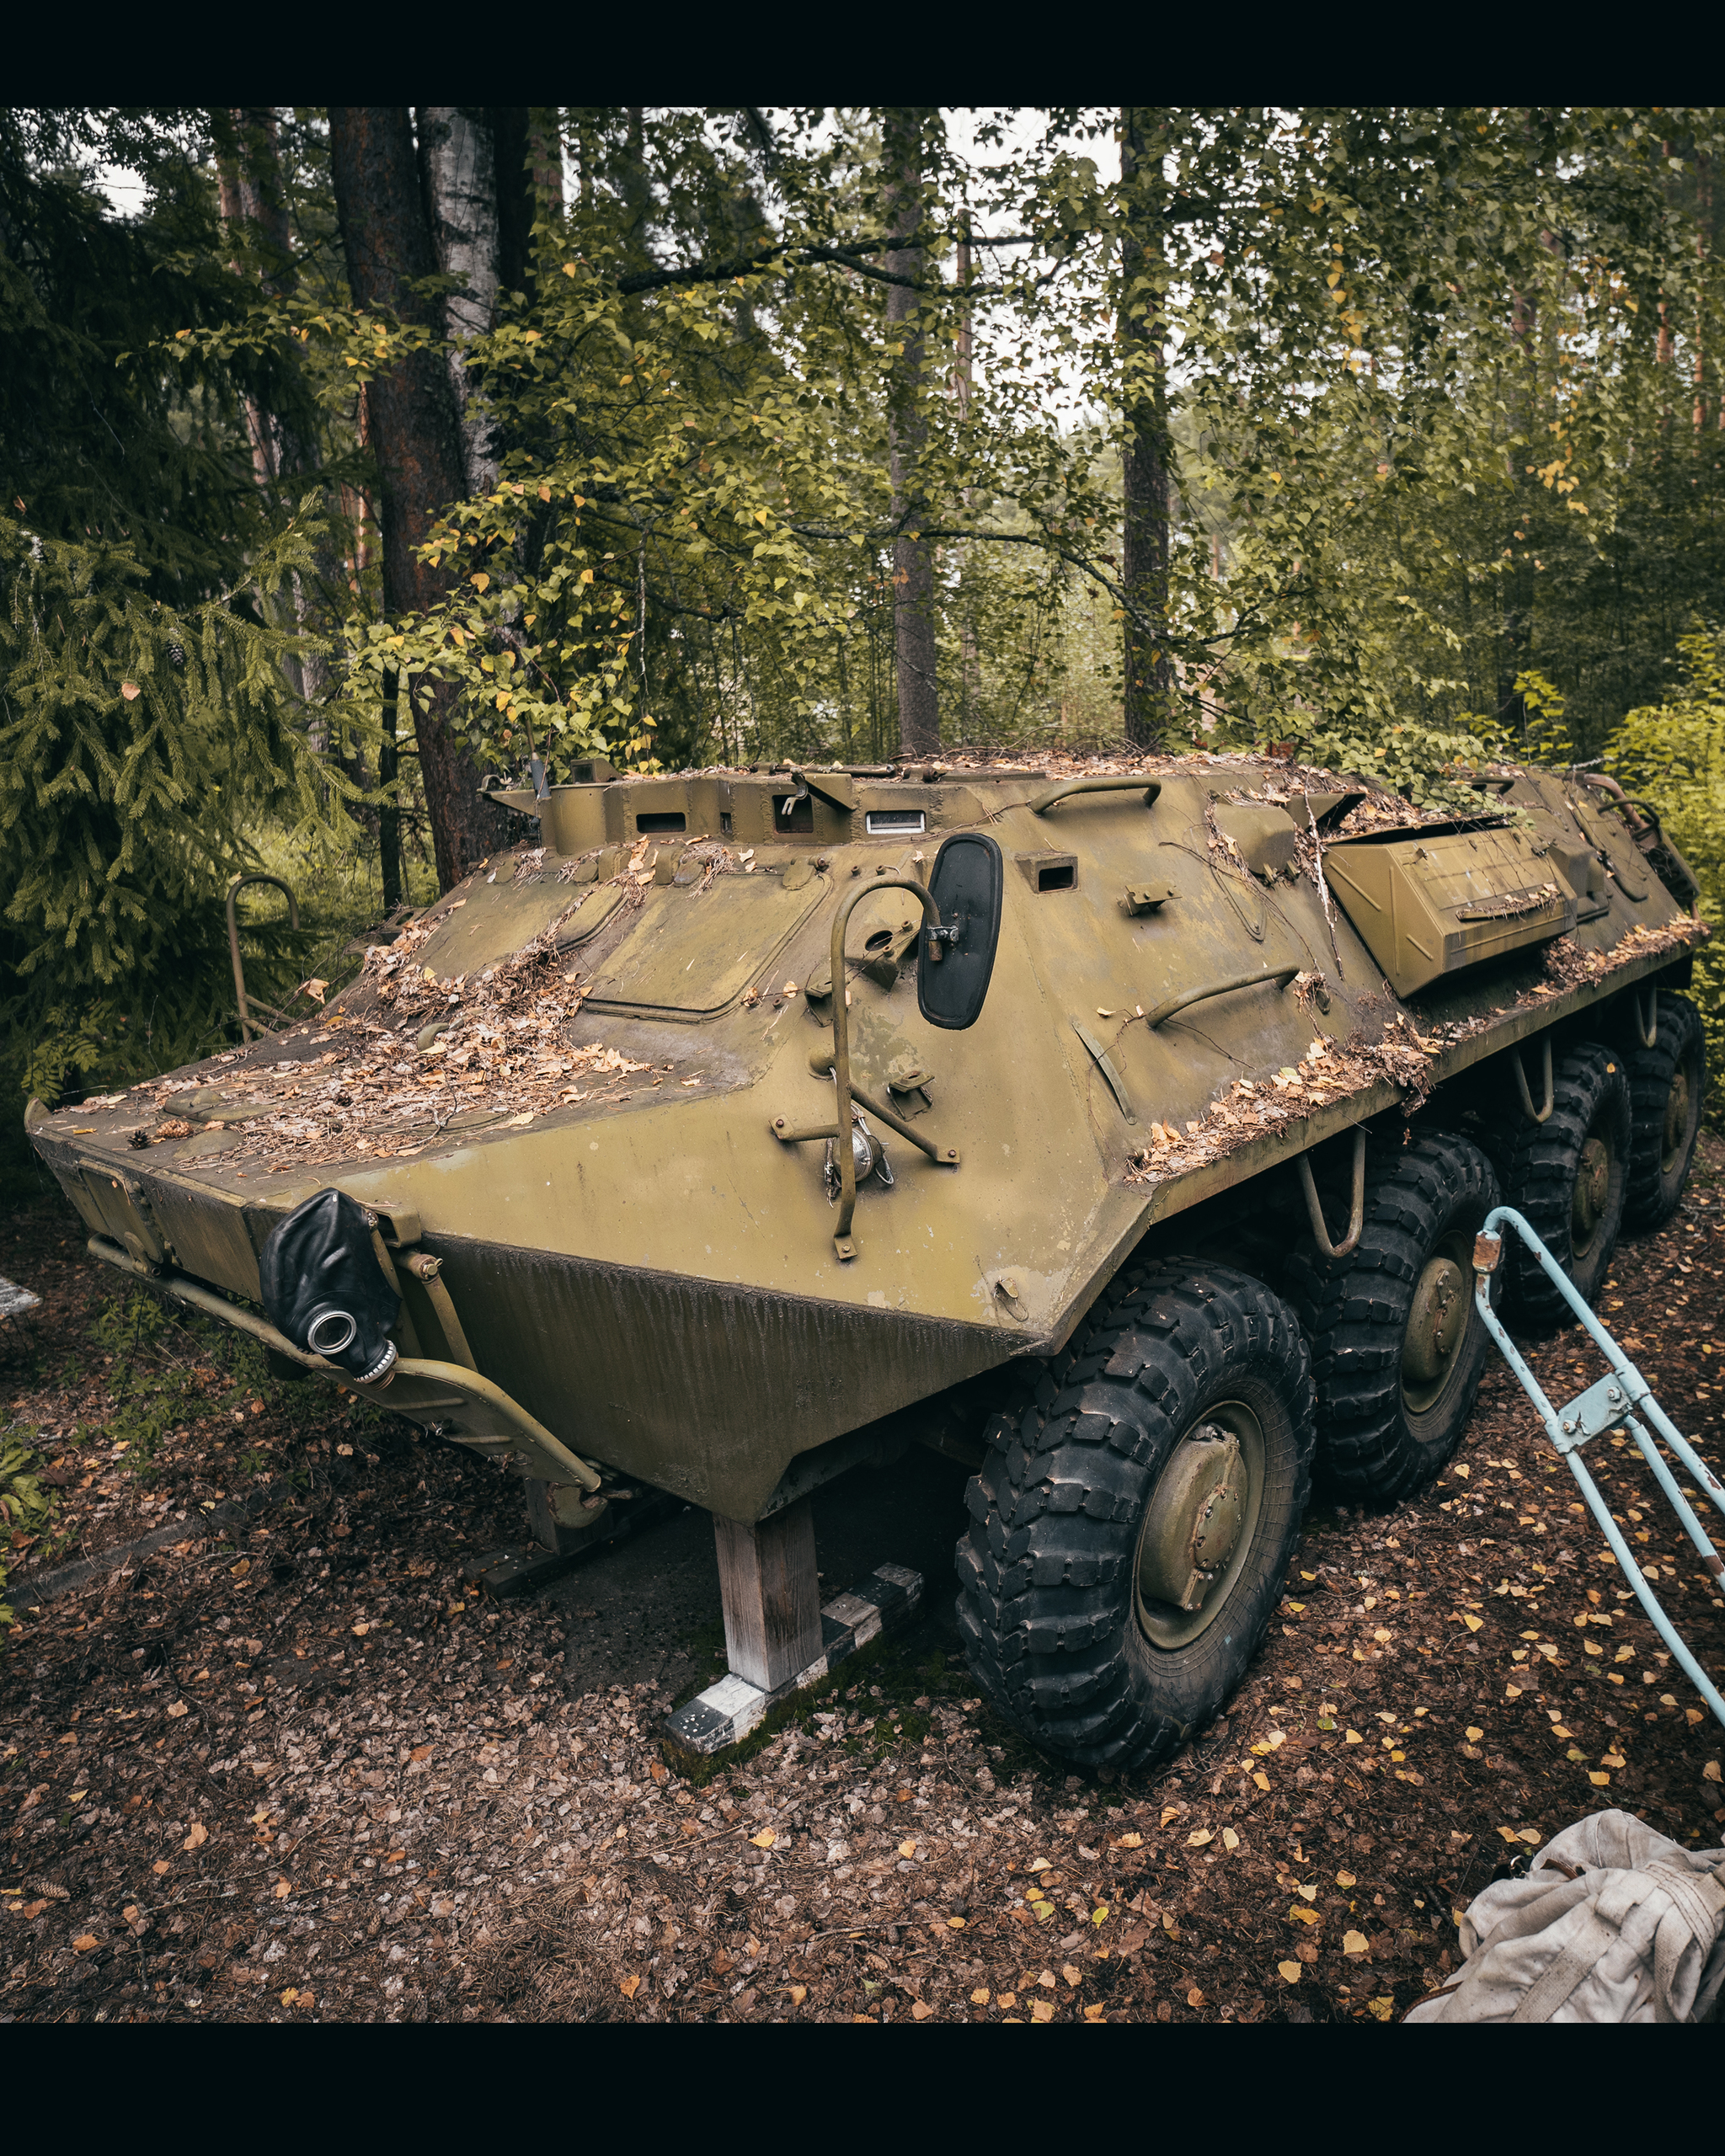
x=1429, y=903
x=691, y=952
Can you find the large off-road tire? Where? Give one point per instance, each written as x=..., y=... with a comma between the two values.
x=1668, y=1086
x=1398, y=1347
x=1566, y=1178
x=1188, y=1364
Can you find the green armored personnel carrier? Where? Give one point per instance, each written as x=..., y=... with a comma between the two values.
x=1124, y=1129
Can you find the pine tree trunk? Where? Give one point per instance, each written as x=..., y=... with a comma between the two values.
x=1146, y=452
x=416, y=435
x=389, y=812
x=913, y=556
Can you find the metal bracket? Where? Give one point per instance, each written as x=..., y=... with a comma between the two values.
x=1532, y=1113
x=843, y=1241
x=1603, y=1407
x=418, y=1388
x=1356, y=1211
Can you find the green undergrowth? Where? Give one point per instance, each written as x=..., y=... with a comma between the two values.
x=27, y=1507
x=165, y=1368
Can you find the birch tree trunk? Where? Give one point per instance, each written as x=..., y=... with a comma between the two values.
x=458, y=158
x=416, y=434
x=1146, y=451
x=907, y=431
x=254, y=204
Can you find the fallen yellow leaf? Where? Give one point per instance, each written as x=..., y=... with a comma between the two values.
x=1472, y=1623
x=797, y=1993
x=282, y=1890
x=1169, y=1813
x=1354, y=1942
x=629, y=1985
x=1073, y=1973
x=907, y=1848
x=1041, y=2010
x=1474, y=1735
x=920, y=2012
x=197, y=1835
x=1381, y=2009
x=1261, y=1779
x=1598, y=1779
x=980, y=1996
x=1289, y=1971
x=1346, y=1879
x=1095, y=2013
x=1301, y=1914
x=765, y=1840
x=1130, y=1842
x=1352, y=1736
x=955, y=1923
x=1197, y=1840
x=1194, y=1998
x=1231, y=1840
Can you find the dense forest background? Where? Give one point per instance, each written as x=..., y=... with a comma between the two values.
x=353, y=453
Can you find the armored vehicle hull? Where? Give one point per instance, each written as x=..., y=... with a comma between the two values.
x=1245, y=1027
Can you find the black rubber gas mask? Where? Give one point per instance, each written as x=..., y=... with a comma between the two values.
x=324, y=1288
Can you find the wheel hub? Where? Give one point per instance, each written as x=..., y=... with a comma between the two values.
x=1194, y=1520
x=1435, y=1323
x=1593, y=1184
x=1676, y=1121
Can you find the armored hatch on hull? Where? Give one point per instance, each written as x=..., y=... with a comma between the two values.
x=593, y=1097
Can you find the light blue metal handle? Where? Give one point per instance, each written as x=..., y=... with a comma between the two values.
x=1605, y=1407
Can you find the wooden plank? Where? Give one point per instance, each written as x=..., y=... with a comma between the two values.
x=772, y=1595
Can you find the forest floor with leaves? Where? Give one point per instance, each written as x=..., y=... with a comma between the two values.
x=275, y=1763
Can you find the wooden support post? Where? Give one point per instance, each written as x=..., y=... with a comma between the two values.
x=772, y=1595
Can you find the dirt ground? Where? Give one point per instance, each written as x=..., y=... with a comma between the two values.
x=276, y=1763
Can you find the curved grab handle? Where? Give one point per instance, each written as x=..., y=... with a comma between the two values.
x=1356, y=1211
x=1149, y=788
x=1281, y=975
x=1532, y=1113
x=248, y=1023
